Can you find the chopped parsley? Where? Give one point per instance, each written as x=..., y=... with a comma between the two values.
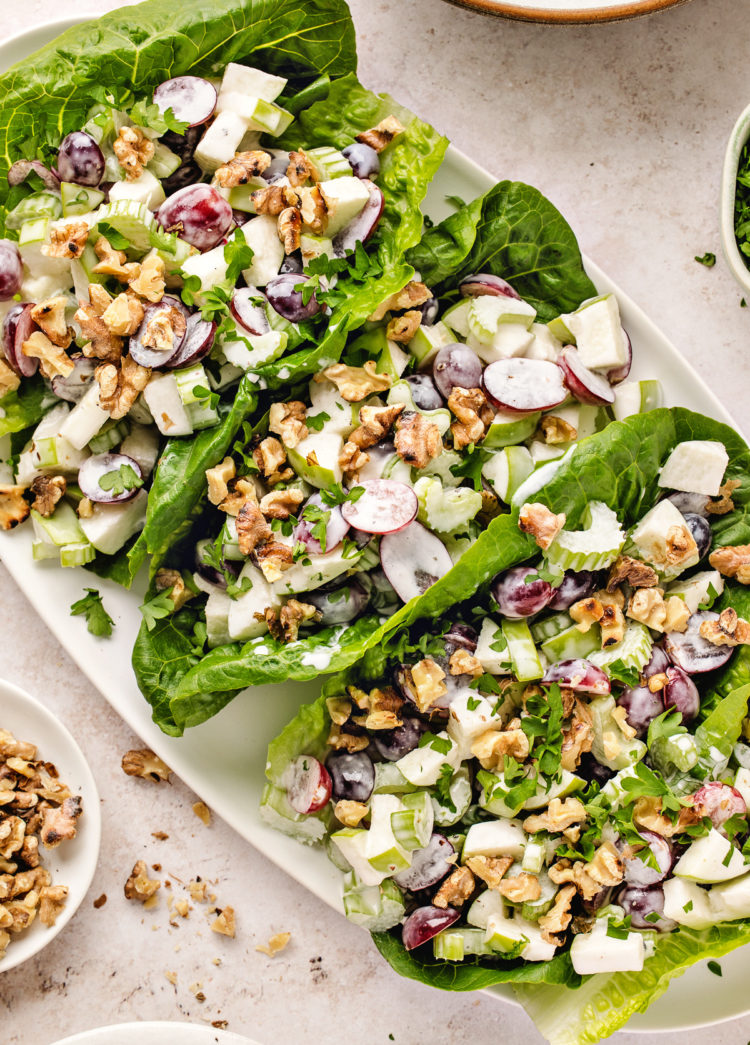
x=443, y=787
x=317, y=421
x=320, y=517
x=336, y=494
x=157, y=608
x=473, y=703
x=148, y=114
x=715, y=968
x=98, y=621
x=439, y=744
x=238, y=256
x=486, y=684
x=708, y=259
x=201, y=392
x=121, y=479
x=116, y=239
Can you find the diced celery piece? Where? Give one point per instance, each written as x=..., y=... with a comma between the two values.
x=62, y=527
x=375, y=907
x=523, y=653
x=132, y=220
x=389, y=780
x=546, y=629
x=452, y=945
x=533, y=857
x=594, y=546
x=47, y=452
x=78, y=199
x=110, y=436
x=44, y=550
x=77, y=554
x=571, y=644
x=412, y=825
x=164, y=162
x=329, y=163
x=37, y=205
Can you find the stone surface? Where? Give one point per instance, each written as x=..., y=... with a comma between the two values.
x=624, y=127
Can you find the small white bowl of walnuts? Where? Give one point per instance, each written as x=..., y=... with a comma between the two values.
x=50, y=826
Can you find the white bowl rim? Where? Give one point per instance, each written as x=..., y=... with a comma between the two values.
x=738, y=265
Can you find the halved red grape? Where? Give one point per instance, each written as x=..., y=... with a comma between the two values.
x=340, y=605
x=456, y=365
x=308, y=784
x=719, y=802
x=292, y=263
x=186, y=174
x=21, y=169
x=147, y=356
x=460, y=636
x=363, y=160
x=619, y=373
x=486, y=283
x=393, y=744
x=642, y=874
x=516, y=598
x=428, y=866
x=701, y=531
x=583, y=383
x=657, y=664
x=80, y=159
x=413, y=559
x=362, y=227
x=11, y=270
x=385, y=507
x=524, y=385
x=196, y=344
x=575, y=585
x=105, y=478
x=645, y=908
x=641, y=707
x=423, y=392
x=285, y=298
x=278, y=166
x=249, y=315
x=73, y=387
x=429, y=310
x=690, y=503
x=691, y=652
x=579, y=675
x=352, y=775
x=18, y=328
x=336, y=525
x=681, y=693
x=10, y=323
x=426, y=922
x=191, y=98
x=198, y=214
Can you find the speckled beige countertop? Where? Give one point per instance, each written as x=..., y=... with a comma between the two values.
x=624, y=127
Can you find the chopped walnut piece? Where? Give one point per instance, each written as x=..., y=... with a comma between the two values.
x=556, y=430
x=48, y=490
x=456, y=889
x=134, y=150
x=281, y=504
x=123, y=316
x=239, y=491
x=119, y=389
x=375, y=422
x=285, y=626
x=403, y=328
x=647, y=813
x=380, y=137
x=543, y=525
x=620, y=716
x=102, y=344
x=492, y=747
x=464, y=663
x=139, y=886
x=732, y=561
x=728, y=630
x=201, y=810
x=725, y=503
x=288, y=421
x=339, y=709
x=612, y=620
x=427, y=677
x=490, y=868
x=300, y=169
x=418, y=441
x=275, y=945
x=313, y=210
x=67, y=241
x=218, y=479
x=149, y=281
x=113, y=262
x=290, y=229
x=100, y=299
x=224, y=924
x=680, y=545
x=273, y=558
x=164, y=328
x=586, y=612
x=172, y=581
x=474, y=416
x=269, y=456
x=557, y=919
x=274, y=199
x=9, y=379
x=356, y=382
x=59, y=822
x=522, y=888
x=53, y=361
x=51, y=902
x=142, y=762
x=252, y=528
x=408, y=297
x=351, y=742
x=243, y=167
x=649, y=606
x=657, y=682
x=349, y=813
x=633, y=572
x=578, y=737
x=49, y=316
x=383, y=706
x=560, y=813
x=351, y=459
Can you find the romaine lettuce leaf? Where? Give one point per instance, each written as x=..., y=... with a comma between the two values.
x=161, y=657
x=23, y=408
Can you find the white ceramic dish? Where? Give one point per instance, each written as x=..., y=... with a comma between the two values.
x=156, y=1034
x=72, y=863
x=566, y=11
x=735, y=259
x=223, y=760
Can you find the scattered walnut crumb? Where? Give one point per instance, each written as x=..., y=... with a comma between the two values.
x=13, y=506
x=456, y=889
x=172, y=977
x=224, y=924
x=142, y=762
x=160, y=836
x=48, y=490
x=139, y=886
x=725, y=503
x=275, y=945
x=100, y=901
x=556, y=430
x=464, y=663
x=543, y=525
x=418, y=441
x=402, y=329
x=380, y=137
x=203, y=813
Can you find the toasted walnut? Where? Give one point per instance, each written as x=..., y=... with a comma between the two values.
x=380, y=137
x=633, y=572
x=100, y=299
x=173, y=582
x=350, y=814
x=351, y=742
x=13, y=748
x=149, y=281
x=647, y=813
x=165, y=327
x=408, y=297
x=285, y=626
x=464, y=663
x=9, y=379
x=620, y=716
x=606, y=866
x=142, y=762
x=290, y=229
x=732, y=561
x=339, y=709
x=427, y=677
x=269, y=456
x=224, y=924
x=493, y=747
x=576, y=874
x=59, y=822
x=134, y=150
x=51, y=902
x=680, y=545
x=113, y=262
x=218, y=479
x=300, y=169
x=560, y=813
x=557, y=919
x=725, y=503
x=53, y=362
x=403, y=328
x=124, y=315
x=273, y=558
x=418, y=441
x=48, y=490
x=49, y=316
x=383, y=707
x=524, y=887
x=577, y=737
x=612, y=620
x=375, y=422
x=252, y=528
x=12, y=831
x=556, y=430
x=490, y=868
x=649, y=606
x=313, y=209
x=543, y=525
x=356, y=382
x=243, y=167
x=657, y=682
x=139, y=886
x=119, y=389
x=351, y=459
x=456, y=889
x=102, y=344
x=275, y=945
x=474, y=416
x=274, y=199
x=280, y=504
x=728, y=630
x=586, y=612
x=67, y=241
x=288, y=421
